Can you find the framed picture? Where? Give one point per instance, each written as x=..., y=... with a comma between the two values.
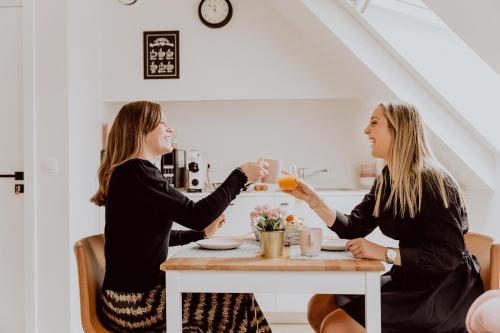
x=161, y=55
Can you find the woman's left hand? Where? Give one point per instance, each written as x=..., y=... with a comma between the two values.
x=212, y=228
x=364, y=249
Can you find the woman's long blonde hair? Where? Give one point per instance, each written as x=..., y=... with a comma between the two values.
x=412, y=166
x=125, y=139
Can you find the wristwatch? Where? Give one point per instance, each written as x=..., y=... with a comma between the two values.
x=390, y=255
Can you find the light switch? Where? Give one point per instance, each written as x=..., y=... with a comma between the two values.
x=50, y=166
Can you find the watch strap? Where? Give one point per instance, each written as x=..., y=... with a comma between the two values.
x=387, y=259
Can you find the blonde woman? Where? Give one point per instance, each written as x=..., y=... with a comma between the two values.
x=140, y=210
x=434, y=279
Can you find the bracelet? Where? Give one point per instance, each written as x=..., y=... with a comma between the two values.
x=320, y=203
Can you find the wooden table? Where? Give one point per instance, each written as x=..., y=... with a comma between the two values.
x=280, y=275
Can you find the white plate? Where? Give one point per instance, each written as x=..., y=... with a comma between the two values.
x=219, y=244
x=333, y=244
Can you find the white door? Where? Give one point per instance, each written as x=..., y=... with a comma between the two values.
x=11, y=160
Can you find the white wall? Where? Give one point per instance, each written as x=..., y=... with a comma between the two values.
x=256, y=56
x=67, y=110
x=11, y=159
x=308, y=133
x=51, y=190
x=85, y=112
x=483, y=208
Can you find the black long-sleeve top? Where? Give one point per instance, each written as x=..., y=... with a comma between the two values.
x=438, y=278
x=140, y=210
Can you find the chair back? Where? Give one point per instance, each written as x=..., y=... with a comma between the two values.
x=487, y=253
x=89, y=254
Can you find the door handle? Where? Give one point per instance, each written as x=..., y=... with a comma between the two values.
x=18, y=175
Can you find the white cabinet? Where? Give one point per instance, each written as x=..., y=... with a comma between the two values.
x=238, y=214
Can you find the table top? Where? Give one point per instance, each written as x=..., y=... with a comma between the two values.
x=277, y=264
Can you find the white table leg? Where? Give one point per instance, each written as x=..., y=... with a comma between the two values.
x=174, y=302
x=372, y=303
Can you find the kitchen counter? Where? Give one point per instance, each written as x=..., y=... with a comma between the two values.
x=277, y=193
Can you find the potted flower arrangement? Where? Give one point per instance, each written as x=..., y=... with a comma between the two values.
x=270, y=225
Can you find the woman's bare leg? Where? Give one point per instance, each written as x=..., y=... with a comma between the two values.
x=320, y=306
x=340, y=322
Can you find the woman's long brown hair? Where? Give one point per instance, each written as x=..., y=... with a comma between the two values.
x=125, y=139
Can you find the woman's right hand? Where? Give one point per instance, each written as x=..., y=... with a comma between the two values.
x=255, y=170
x=304, y=192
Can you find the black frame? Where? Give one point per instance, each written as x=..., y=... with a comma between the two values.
x=150, y=39
x=216, y=25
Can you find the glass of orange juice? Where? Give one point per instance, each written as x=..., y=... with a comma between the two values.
x=287, y=182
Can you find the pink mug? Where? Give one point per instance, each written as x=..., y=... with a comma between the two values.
x=274, y=170
x=310, y=241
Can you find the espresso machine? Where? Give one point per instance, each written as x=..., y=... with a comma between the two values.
x=195, y=172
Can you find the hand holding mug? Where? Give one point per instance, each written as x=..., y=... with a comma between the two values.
x=255, y=170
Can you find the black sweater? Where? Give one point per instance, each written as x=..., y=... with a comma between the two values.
x=140, y=210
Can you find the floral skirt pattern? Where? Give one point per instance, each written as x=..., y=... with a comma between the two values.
x=201, y=312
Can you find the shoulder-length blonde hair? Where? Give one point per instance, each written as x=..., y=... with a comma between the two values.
x=125, y=139
x=412, y=166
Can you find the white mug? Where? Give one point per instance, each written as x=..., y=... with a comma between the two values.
x=310, y=241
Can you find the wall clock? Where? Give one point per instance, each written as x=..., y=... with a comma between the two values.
x=215, y=13
x=127, y=2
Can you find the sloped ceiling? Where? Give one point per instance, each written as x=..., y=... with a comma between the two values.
x=337, y=26
x=476, y=22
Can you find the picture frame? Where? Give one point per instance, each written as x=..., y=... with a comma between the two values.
x=161, y=55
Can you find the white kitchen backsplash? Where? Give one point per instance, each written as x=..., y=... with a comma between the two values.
x=315, y=134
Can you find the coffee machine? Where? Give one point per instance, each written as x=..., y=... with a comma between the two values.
x=195, y=172
x=173, y=168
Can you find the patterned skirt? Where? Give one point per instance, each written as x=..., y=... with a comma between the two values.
x=201, y=312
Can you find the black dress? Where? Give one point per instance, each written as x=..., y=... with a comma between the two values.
x=438, y=278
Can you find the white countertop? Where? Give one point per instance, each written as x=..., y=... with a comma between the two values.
x=276, y=192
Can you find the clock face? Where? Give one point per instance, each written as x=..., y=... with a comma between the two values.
x=215, y=13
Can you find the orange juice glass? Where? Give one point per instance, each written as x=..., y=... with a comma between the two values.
x=287, y=182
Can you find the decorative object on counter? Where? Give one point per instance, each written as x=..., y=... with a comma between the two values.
x=215, y=13
x=270, y=224
x=161, y=55
x=367, y=174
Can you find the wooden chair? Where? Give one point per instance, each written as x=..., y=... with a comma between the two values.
x=487, y=253
x=89, y=254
